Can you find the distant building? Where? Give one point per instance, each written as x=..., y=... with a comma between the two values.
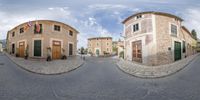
x=156, y=38
x=99, y=46
x=118, y=47
x=41, y=38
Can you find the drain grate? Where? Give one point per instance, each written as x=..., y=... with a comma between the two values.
x=1, y=63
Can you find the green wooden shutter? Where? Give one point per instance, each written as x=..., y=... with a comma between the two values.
x=177, y=51
x=37, y=48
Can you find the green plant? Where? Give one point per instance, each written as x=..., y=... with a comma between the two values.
x=26, y=52
x=48, y=53
x=121, y=54
x=17, y=55
x=64, y=57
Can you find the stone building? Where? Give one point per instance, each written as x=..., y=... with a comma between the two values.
x=119, y=46
x=99, y=46
x=41, y=38
x=155, y=38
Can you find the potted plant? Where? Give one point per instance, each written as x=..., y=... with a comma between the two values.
x=48, y=53
x=63, y=54
x=17, y=54
x=121, y=55
x=26, y=52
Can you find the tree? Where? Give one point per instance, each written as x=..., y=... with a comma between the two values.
x=86, y=51
x=194, y=34
x=115, y=49
x=82, y=50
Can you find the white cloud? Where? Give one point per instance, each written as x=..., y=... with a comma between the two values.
x=114, y=7
x=192, y=20
x=107, y=6
x=9, y=20
x=88, y=27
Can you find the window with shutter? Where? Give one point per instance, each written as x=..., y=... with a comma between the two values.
x=173, y=30
x=38, y=29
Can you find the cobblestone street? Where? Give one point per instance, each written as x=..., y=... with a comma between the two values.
x=51, y=67
x=97, y=79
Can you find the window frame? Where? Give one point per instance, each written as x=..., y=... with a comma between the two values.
x=13, y=34
x=72, y=33
x=134, y=28
x=171, y=31
x=21, y=30
x=41, y=29
x=107, y=49
x=107, y=44
x=55, y=29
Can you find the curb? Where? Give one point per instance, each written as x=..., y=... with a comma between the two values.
x=44, y=73
x=162, y=76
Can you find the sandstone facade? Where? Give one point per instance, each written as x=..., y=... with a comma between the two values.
x=59, y=38
x=100, y=46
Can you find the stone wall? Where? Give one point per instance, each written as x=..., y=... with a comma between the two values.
x=145, y=34
x=46, y=36
x=104, y=45
x=164, y=39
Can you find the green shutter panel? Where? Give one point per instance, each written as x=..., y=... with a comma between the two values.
x=177, y=51
x=37, y=48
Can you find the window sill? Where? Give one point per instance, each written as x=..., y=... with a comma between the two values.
x=174, y=35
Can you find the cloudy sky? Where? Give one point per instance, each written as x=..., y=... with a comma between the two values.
x=93, y=17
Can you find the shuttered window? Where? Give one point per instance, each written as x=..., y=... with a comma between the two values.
x=136, y=27
x=173, y=30
x=38, y=29
x=56, y=27
x=70, y=33
x=21, y=30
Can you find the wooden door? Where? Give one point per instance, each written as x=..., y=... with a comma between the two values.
x=177, y=50
x=56, y=50
x=137, y=51
x=21, y=49
x=70, y=49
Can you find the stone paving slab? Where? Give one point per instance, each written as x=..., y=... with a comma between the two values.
x=52, y=67
x=144, y=71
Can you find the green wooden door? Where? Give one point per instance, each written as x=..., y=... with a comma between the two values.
x=177, y=51
x=97, y=52
x=37, y=48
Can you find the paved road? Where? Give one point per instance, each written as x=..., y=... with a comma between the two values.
x=97, y=79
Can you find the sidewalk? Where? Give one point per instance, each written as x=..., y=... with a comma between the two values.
x=44, y=67
x=144, y=71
